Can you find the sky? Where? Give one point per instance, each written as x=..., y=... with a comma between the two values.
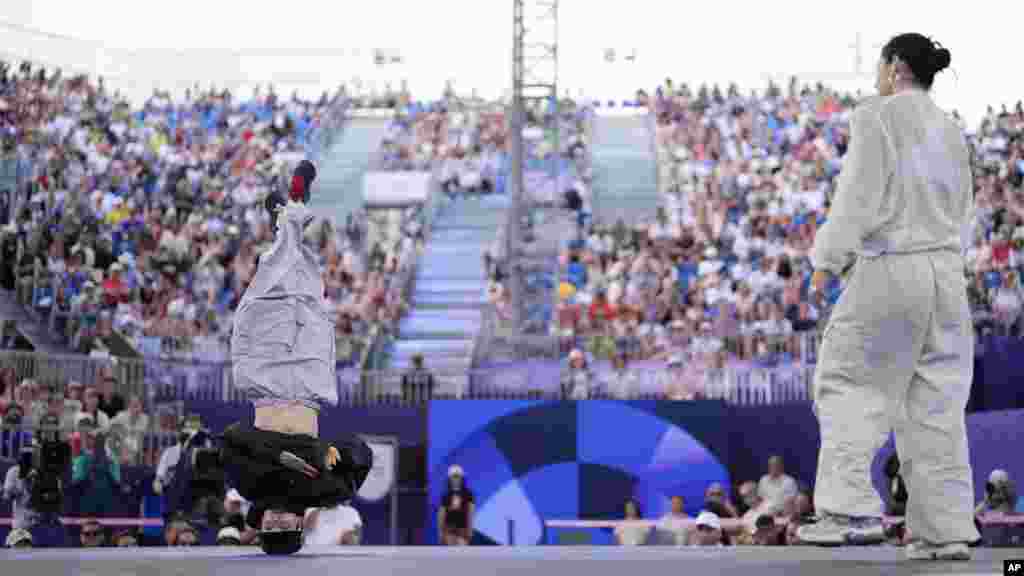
x=469, y=42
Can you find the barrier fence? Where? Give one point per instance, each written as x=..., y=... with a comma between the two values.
x=128, y=447
x=159, y=381
x=997, y=529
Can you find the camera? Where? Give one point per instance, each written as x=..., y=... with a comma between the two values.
x=42, y=467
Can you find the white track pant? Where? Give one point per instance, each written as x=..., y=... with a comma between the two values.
x=897, y=355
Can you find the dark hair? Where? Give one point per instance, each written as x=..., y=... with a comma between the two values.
x=922, y=55
x=636, y=505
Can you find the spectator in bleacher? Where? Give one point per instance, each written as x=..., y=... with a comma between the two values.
x=674, y=522
x=775, y=486
x=56, y=415
x=455, y=517
x=623, y=383
x=1007, y=304
x=74, y=396
x=632, y=534
x=418, y=385
x=91, y=408
x=118, y=169
x=577, y=380
x=1000, y=495
x=708, y=530
x=96, y=474
x=111, y=402
x=133, y=423
x=717, y=502
x=92, y=534
x=683, y=380
x=718, y=376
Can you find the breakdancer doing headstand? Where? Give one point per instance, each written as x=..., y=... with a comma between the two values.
x=283, y=357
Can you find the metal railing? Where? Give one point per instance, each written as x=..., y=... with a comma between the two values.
x=129, y=448
x=162, y=381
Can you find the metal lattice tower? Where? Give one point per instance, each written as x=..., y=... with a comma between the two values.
x=534, y=85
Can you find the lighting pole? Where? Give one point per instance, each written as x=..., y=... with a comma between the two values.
x=534, y=80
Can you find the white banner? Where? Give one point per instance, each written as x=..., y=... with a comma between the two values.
x=382, y=477
x=396, y=188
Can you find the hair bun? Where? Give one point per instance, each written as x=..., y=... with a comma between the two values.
x=941, y=59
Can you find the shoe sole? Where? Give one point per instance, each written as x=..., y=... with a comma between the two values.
x=959, y=556
x=849, y=540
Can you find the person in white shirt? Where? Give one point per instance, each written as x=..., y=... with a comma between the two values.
x=674, y=523
x=776, y=486
x=16, y=490
x=165, y=468
x=622, y=381
x=632, y=534
x=339, y=526
x=134, y=424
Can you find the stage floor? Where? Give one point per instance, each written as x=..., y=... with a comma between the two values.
x=548, y=560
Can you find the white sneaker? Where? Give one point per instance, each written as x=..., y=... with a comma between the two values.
x=927, y=551
x=835, y=530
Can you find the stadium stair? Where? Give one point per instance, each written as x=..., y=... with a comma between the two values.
x=447, y=304
x=37, y=334
x=342, y=167
x=625, y=169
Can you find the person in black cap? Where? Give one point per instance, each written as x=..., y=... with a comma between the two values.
x=283, y=358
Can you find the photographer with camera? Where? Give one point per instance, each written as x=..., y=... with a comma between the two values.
x=1000, y=495
x=96, y=476
x=197, y=488
x=35, y=485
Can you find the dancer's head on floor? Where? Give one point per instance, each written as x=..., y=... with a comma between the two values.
x=910, y=61
x=280, y=532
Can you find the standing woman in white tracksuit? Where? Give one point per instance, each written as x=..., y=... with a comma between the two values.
x=897, y=353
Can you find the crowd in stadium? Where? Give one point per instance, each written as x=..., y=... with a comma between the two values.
x=722, y=275
x=464, y=143
x=147, y=223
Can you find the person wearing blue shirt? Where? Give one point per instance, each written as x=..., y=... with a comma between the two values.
x=576, y=272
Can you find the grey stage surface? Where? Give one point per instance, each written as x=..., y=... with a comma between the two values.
x=549, y=560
